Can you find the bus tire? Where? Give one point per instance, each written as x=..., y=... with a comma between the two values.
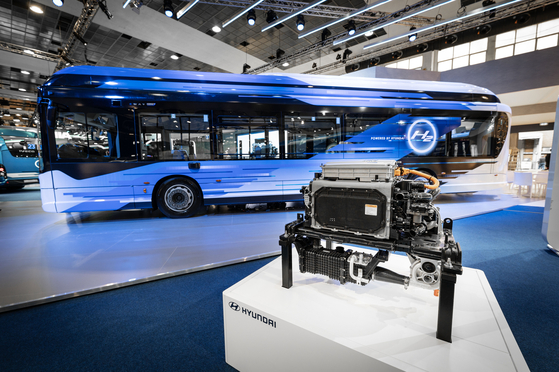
x=178, y=198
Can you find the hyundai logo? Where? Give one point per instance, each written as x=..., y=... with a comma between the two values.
x=234, y=306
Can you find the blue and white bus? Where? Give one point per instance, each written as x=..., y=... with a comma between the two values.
x=118, y=138
x=19, y=161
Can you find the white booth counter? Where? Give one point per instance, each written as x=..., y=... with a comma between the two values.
x=321, y=325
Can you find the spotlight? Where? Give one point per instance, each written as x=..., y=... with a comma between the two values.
x=58, y=2
x=326, y=34
x=397, y=55
x=36, y=9
x=450, y=39
x=300, y=22
x=168, y=8
x=413, y=36
x=216, y=29
x=374, y=62
x=251, y=17
x=279, y=53
x=285, y=64
x=347, y=53
x=422, y=47
x=175, y=56
x=521, y=19
x=314, y=65
x=350, y=26
x=271, y=16
x=483, y=30
x=246, y=67
x=354, y=67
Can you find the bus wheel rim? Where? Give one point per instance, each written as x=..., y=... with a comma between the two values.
x=179, y=198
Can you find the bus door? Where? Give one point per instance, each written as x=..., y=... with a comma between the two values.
x=256, y=141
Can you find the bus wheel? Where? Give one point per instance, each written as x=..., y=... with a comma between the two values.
x=178, y=198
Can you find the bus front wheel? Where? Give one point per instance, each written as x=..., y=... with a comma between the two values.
x=178, y=198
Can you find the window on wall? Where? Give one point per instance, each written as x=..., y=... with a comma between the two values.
x=527, y=39
x=462, y=55
x=414, y=63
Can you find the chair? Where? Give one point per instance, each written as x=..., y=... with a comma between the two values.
x=510, y=179
x=523, y=179
x=540, y=182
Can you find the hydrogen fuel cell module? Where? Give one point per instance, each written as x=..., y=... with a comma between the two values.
x=372, y=204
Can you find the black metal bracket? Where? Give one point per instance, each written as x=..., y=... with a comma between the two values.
x=450, y=258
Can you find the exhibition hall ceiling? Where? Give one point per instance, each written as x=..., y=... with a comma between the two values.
x=145, y=38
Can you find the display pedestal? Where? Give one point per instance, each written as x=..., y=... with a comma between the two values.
x=320, y=325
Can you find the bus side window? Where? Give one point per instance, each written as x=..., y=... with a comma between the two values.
x=151, y=137
x=473, y=138
x=308, y=135
x=102, y=137
x=247, y=137
x=93, y=136
x=199, y=137
x=71, y=136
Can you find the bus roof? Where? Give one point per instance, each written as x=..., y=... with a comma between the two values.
x=277, y=79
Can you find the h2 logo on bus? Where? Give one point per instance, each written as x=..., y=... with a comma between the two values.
x=422, y=137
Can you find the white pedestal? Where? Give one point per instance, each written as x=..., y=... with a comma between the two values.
x=320, y=325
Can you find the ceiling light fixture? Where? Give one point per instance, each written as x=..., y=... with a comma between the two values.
x=126, y=2
x=58, y=2
x=300, y=22
x=216, y=29
x=325, y=34
x=27, y=51
x=476, y=12
x=36, y=9
x=285, y=64
x=350, y=28
x=483, y=30
x=346, y=55
x=246, y=67
x=451, y=39
x=396, y=20
x=251, y=17
x=25, y=72
x=350, y=15
x=413, y=36
x=168, y=8
x=243, y=11
x=22, y=90
x=182, y=11
x=397, y=55
x=175, y=57
x=271, y=16
x=291, y=15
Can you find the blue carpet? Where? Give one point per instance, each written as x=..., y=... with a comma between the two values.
x=176, y=324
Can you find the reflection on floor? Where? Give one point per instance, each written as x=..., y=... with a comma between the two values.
x=46, y=256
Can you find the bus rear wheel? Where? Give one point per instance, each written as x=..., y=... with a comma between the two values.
x=178, y=198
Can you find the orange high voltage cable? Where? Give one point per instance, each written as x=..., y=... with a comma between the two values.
x=434, y=181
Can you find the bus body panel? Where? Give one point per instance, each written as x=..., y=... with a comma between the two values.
x=413, y=119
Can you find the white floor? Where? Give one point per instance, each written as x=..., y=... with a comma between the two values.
x=46, y=256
